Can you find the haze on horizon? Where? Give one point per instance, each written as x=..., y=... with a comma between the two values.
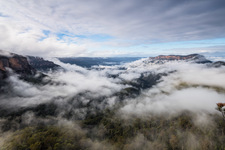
x=103, y=28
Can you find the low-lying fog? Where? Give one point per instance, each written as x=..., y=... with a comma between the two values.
x=175, y=109
x=186, y=86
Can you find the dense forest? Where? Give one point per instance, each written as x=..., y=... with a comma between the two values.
x=108, y=131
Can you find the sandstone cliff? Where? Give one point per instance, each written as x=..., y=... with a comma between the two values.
x=16, y=63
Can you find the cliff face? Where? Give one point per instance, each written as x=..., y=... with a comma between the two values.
x=41, y=64
x=17, y=63
x=193, y=57
x=176, y=57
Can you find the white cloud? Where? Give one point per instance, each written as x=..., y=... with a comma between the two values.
x=64, y=86
x=27, y=42
x=187, y=86
x=193, y=87
x=23, y=23
x=129, y=76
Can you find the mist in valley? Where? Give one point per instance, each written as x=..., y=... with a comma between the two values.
x=136, y=105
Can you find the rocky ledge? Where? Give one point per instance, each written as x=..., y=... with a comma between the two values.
x=17, y=63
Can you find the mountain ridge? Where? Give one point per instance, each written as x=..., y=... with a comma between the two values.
x=30, y=64
x=191, y=57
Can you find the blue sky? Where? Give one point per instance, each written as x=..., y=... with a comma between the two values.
x=94, y=37
x=104, y=28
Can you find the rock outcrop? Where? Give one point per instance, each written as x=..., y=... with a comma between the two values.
x=42, y=65
x=177, y=57
x=192, y=57
x=16, y=63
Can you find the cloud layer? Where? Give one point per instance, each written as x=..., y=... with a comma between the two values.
x=183, y=87
x=95, y=102
x=81, y=27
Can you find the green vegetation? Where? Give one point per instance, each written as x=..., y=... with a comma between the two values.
x=158, y=132
x=108, y=131
x=46, y=138
x=184, y=85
